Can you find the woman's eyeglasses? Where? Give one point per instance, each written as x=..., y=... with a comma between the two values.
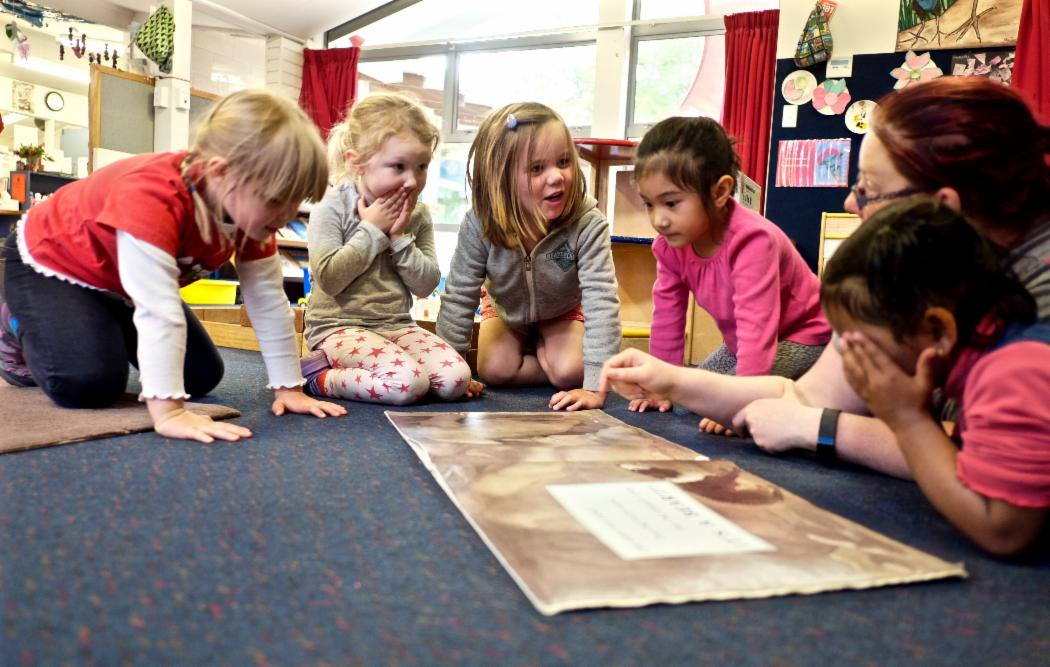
x=864, y=199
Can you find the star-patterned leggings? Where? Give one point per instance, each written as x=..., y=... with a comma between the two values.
x=395, y=367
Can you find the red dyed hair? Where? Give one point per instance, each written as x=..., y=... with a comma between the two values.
x=976, y=136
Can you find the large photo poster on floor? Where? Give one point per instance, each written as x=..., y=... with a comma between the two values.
x=641, y=520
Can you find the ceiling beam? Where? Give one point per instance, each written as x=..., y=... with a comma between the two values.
x=96, y=11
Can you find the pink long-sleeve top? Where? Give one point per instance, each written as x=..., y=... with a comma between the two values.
x=756, y=286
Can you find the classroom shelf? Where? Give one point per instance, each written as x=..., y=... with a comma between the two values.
x=639, y=240
x=41, y=182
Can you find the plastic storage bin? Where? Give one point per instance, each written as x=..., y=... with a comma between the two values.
x=209, y=291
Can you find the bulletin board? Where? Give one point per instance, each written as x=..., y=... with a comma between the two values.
x=121, y=114
x=797, y=210
x=120, y=110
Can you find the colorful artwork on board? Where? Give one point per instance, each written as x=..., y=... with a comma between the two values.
x=798, y=87
x=813, y=163
x=858, y=116
x=831, y=97
x=917, y=67
x=996, y=65
x=951, y=24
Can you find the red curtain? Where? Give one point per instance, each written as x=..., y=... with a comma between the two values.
x=329, y=85
x=1032, y=60
x=751, y=45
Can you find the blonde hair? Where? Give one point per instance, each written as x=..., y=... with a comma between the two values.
x=495, y=162
x=267, y=143
x=370, y=122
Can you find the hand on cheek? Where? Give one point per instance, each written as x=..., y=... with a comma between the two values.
x=891, y=394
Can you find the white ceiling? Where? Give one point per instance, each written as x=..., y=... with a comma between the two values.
x=301, y=19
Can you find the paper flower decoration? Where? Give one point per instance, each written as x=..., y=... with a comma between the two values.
x=831, y=97
x=858, y=116
x=798, y=87
x=916, y=69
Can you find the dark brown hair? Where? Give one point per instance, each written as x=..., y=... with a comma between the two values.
x=973, y=135
x=693, y=153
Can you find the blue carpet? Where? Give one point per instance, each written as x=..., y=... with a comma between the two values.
x=326, y=541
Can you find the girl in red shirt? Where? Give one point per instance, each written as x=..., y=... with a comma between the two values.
x=921, y=299
x=93, y=273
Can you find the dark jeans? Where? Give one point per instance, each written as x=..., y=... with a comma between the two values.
x=78, y=342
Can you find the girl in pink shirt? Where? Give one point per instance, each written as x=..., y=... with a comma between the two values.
x=921, y=299
x=740, y=267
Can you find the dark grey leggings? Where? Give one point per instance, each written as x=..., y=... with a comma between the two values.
x=792, y=360
x=78, y=342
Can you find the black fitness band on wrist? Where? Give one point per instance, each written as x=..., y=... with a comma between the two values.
x=829, y=423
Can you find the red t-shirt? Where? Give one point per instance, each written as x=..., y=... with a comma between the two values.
x=73, y=232
x=1004, y=422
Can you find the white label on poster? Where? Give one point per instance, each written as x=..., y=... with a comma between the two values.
x=790, y=118
x=653, y=520
x=839, y=67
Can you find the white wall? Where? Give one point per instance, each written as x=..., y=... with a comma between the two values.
x=222, y=63
x=858, y=26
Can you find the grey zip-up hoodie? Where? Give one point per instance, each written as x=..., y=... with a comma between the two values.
x=359, y=278
x=571, y=265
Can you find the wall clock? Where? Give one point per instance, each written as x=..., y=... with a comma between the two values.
x=54, y=101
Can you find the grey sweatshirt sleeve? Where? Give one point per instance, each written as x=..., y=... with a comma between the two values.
x=333, y=263
x=601, y=301
x=463, y=286
x=417, y=262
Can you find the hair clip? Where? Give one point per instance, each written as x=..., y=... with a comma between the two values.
x=512, y=122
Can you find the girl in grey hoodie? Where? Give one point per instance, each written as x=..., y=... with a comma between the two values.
x=535, y=249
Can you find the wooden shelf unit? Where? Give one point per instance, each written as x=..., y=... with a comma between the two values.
x=40, y=182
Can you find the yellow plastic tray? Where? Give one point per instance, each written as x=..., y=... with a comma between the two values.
x=210, y=292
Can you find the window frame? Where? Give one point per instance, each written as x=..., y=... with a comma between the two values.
x=708, y=26
x=635, y=30
x=450, y=132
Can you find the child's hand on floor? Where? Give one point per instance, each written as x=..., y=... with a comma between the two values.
x=294, y=400
x=634, y=374
x=474, y=388
x=389, y=212
x=171, y=420
x=577, y=399
x=643, y=404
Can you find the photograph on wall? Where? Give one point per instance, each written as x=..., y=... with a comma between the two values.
x=953, y=24
x=813, y=163
x=22, y=96
x=995, y=65
x=589, y=529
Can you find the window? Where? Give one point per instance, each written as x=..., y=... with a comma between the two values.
x=432, y=20
x=463, y=59
x=664, y=75
x=678, y=64
x=562, y=78
x=422, y=79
